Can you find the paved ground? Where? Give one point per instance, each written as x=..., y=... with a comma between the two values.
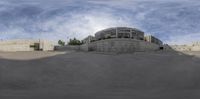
x=77, y=75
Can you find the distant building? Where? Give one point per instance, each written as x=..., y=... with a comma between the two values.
x=121, y=39
x=120, y=32
x=181, y=47
x=26, y=45
x=195, y=46
x=153, y=39
x=89, y=39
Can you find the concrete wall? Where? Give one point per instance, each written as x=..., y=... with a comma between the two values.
x=85, y=47
x=120, y=45
x=167, y=47
x=147, y=46
x=67, y=47
x=113, y=45
x=12, y=48
x=24, y=45
x=46, y=45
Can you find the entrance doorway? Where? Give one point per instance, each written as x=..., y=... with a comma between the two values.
x=161, y=48
x=36, y=46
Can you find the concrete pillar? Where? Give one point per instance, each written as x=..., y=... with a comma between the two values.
x=131, y=35
x=116, y=33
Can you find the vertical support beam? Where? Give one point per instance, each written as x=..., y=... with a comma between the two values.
x=116, y=33
x=150, y=39
x=89, y=39
x=131, y=34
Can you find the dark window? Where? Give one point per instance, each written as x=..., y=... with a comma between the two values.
x=124, y=30
x=123, y=35
x=36, y=46
x=161, y=48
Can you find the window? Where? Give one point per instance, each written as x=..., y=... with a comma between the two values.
x=123, y=35
x=124, y=30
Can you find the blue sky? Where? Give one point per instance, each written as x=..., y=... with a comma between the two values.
x=173, y=21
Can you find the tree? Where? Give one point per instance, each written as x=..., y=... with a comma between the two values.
x=74, y=42
x=61, y=43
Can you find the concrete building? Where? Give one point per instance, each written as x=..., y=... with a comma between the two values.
x=195, y=46
x=120, y=39
x=89, y=39
x=120, y=32
x=153, y=39
x=26, y=45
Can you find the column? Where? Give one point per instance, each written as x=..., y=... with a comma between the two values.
x=116, y=33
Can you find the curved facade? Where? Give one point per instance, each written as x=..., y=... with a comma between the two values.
x=120, y=32
x=153, y=39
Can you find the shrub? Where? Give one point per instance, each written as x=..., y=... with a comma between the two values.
x=61, y=43
x=74, y=42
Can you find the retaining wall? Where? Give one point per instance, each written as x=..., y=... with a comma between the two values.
x=68, y=47
x=119, y=45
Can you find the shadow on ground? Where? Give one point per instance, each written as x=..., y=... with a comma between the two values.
x=78, y=75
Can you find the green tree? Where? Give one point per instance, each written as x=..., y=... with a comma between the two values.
x=75, y=42
x=61, y=43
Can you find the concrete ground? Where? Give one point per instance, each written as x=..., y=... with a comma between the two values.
x=79, y=75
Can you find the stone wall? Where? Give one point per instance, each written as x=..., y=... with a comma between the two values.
x=85, y=47
x=67, y=47
x=120, y=45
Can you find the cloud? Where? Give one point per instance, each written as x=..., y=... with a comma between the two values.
x=184, y=39
x=57, y=23
x=63, y=19
x=81, y=24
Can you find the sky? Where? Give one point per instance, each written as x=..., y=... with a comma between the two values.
x=172, y=21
